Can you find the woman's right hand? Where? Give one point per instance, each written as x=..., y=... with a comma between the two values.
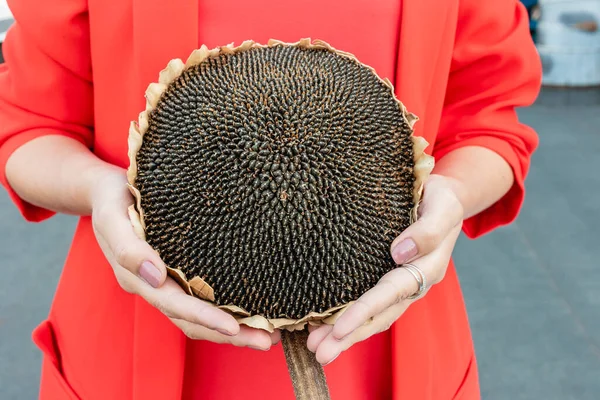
x=139, y=270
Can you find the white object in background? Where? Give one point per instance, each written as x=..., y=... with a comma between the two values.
x=568, y=41
x=6, y=19
x=570, y=67
x=556, y=10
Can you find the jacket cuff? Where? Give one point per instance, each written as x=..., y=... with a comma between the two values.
x=505, y=210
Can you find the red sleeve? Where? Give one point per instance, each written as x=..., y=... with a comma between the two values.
x=46, y=81
x=495, y=68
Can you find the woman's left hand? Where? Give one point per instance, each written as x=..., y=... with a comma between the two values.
x=428, y=244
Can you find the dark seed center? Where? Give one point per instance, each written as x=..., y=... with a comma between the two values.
x=278, y=175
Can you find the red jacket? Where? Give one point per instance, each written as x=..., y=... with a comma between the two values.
x=80, y=67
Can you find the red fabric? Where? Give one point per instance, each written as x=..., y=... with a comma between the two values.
x=80, y=68
x=375, y=45
x=52, y=380
x=491, y=53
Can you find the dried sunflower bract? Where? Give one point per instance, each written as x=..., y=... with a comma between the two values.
x=272, y=179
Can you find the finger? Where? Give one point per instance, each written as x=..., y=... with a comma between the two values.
x=316, y=336
x=247, y=337
x=330, y=347
x=441, y=212
x=394, y=287
x=275, y=336
x=172, y=301
x=113, y=227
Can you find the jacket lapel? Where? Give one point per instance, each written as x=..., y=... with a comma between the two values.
x=162, y=30
x=425, y=47
x=427, y=31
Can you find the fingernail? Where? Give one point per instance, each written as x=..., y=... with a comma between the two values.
x=150, y=274
x=224, y=332
x=332, y=360
x=257, y=348
x=404, y=251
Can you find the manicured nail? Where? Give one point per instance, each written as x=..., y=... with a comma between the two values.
x=224, y=332
x=257, y=348
x=404, y=251
x=150, y=274
x=332, y=360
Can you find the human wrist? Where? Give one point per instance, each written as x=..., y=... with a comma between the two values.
x=457, y=189
x=478, y=176
x=104, y=182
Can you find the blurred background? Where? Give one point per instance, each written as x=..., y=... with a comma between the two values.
x=532, y=289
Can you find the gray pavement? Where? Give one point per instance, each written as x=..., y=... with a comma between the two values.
x=532, y=289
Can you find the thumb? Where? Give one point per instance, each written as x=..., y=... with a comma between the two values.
x=123, y=248
x=441, y=212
